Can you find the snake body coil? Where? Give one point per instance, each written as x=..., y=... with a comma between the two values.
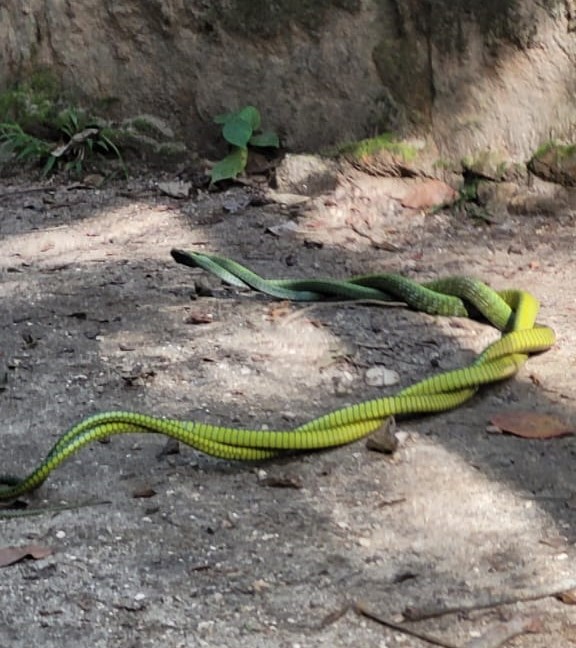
x=511, y=311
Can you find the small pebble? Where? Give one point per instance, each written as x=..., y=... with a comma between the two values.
x=381, y=377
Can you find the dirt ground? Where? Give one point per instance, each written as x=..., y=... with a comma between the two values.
x=192, y=551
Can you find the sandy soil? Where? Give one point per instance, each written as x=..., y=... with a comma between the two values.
x=96, y=316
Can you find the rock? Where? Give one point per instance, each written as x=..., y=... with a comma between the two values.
x=384, y=439
x=306, y=175
x=541, y=198
x=487, y=164
x=555, y=163
x=381, y=377
x=529, y=204
x=496, y=193
x=496, y=197
x=389, y=156
x=428, y=194
x=236, y=201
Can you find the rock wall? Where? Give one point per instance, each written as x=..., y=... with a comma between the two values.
x=474, y=75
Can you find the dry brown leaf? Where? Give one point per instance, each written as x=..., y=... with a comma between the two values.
x=176, y=189
x=283, y=481
x=199, y=318
x=260, y=585
x=429, y=193
x=531, y=425
x=11, y=555
x=568, y=597
x=144, y=493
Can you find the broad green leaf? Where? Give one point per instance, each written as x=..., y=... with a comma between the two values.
x=231, y=165
x=251, y=115
x=267, y=138
x=237, y=131
x=224, y=117
x=248, y=114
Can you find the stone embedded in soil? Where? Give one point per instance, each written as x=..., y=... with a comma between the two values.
x=381, y=377
x=306, y=175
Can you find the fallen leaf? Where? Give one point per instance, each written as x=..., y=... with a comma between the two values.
x=287, y=199
x=143, y=493
x=11, y=555
x=557, y=542
x=531, y=425
x=287, y=227
x=284, y=481
x=260, y=585
x=176, y=189
x=94, y=180
x=568, y=597
x=199, y=318
x=427, y=194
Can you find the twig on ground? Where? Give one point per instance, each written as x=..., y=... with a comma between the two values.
x=362, y=609
x=25, y=190
x=489, y=601
x=8, y=513
x=43, y=188
x=332, y=617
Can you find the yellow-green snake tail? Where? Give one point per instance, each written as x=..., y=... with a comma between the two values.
x=513, y=312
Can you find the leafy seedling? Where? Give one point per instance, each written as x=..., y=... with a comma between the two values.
x=241, y=129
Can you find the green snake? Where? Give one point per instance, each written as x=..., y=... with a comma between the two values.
x=513, y=312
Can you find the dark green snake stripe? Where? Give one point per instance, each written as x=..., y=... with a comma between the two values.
x=511, y=311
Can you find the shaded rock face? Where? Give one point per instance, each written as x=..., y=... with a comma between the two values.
x=478, y=74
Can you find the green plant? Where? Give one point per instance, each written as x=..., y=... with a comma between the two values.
x=33, y=101
x=385, y=142
x=86, y=138
x=70, y=137
x=561, y=151
x=241, y=129
x=16, y=143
